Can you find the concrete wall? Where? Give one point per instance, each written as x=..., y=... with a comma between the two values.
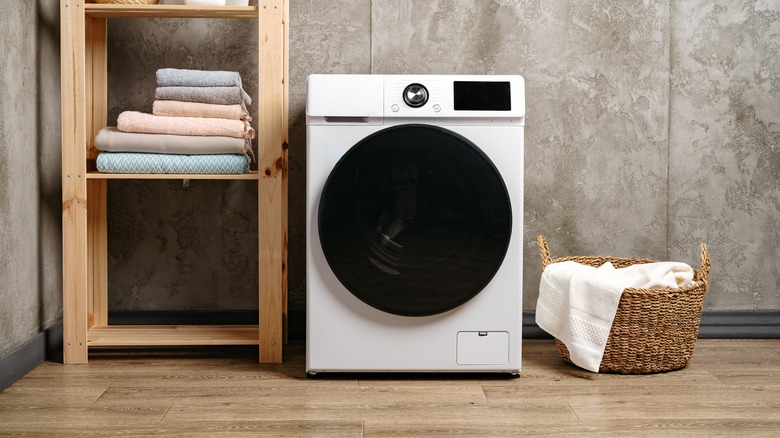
x=724, y=161
x=30, y=188
x=173, y=247
x=652, y=126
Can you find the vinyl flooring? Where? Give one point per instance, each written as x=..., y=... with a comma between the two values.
x=730, y=388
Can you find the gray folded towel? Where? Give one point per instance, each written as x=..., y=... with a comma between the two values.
x=215, y=95
x=174, y=77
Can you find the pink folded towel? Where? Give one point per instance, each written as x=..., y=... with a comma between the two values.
x=178, y=108
x=134, y=121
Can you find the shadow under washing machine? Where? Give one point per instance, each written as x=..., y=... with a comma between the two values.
x=414, y=223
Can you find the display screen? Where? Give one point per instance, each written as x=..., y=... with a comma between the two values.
x=482, y=96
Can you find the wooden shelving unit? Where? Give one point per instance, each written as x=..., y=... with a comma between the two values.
x=84, y=113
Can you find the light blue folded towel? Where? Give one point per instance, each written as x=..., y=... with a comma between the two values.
x=175, y=77
x=129, y=162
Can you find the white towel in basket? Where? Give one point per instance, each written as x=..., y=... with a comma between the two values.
x=577, y=303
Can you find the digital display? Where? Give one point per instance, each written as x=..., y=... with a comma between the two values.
x=482, y=96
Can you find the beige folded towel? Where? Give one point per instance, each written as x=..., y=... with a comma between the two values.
x=111, y=139
x=134, y=121
x=178, y=108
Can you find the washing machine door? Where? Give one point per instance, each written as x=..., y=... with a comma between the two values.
x=414, y=220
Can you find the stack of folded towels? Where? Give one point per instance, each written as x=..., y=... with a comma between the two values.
x=199, y=124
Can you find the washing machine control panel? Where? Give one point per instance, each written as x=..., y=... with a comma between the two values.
x=392, y=99
x=453, y=96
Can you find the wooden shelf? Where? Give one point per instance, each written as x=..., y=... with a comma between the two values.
x=157, y=335
x=251, y=175
x=84, y=82
x=169, y=11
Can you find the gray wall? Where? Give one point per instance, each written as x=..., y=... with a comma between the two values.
x=651, y=126
x=724, y=132
x=30, y=189
x=173, y=247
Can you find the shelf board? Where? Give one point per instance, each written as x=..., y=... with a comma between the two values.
x=169, y=11
x=157, y=335
x=251, y=175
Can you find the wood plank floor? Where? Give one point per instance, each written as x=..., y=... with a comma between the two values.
x=730, y=388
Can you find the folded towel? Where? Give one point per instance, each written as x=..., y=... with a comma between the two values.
x=178, y=108
x=174, y=77
x=111, y=139
x=577, y=303
x=128, y=162
x=215, y=95
x=177, y=77
x=134, y=121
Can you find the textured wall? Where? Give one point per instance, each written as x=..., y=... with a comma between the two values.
x=615, y=163
x=172, y=247
x=724, y=165
x=30, y=237
x=651, y=126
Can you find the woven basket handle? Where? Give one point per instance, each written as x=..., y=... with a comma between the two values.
x=704, y=268
x=544, y=250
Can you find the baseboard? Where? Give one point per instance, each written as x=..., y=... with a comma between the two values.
x=715, y=324
x=20, y=361
x=182, y=317
x=296, y=318
x=731, y=324
x=740, y=324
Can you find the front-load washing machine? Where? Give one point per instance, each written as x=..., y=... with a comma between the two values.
x=414, y=223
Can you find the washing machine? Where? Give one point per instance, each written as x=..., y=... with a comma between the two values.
x=414, y=220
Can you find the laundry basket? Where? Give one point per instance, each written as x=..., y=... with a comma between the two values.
x=654, y=330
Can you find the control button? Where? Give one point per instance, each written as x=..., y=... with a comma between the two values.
x=415, y=95
x=394, y=108
x=436, y=108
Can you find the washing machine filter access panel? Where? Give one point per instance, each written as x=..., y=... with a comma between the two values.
x=414, y=223
x=483, y=348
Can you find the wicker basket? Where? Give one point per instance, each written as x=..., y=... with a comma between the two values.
x=654, y=330
x=126, y=2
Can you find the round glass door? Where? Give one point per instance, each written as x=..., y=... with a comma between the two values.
x=414, y=220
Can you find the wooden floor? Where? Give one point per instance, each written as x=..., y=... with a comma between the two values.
x=730, y=388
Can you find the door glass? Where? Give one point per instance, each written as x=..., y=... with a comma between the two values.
x=414, y=220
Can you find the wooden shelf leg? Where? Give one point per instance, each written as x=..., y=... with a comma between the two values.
x=98, y=252
x=96, y=71
x=285, y=168
x=272, y=226
x=74, y=185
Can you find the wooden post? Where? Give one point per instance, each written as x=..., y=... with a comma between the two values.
x=74, y=182
x=285, y=142
x=272, y=227
x=97, y=117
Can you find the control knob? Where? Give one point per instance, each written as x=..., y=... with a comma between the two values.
x=415, y=95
